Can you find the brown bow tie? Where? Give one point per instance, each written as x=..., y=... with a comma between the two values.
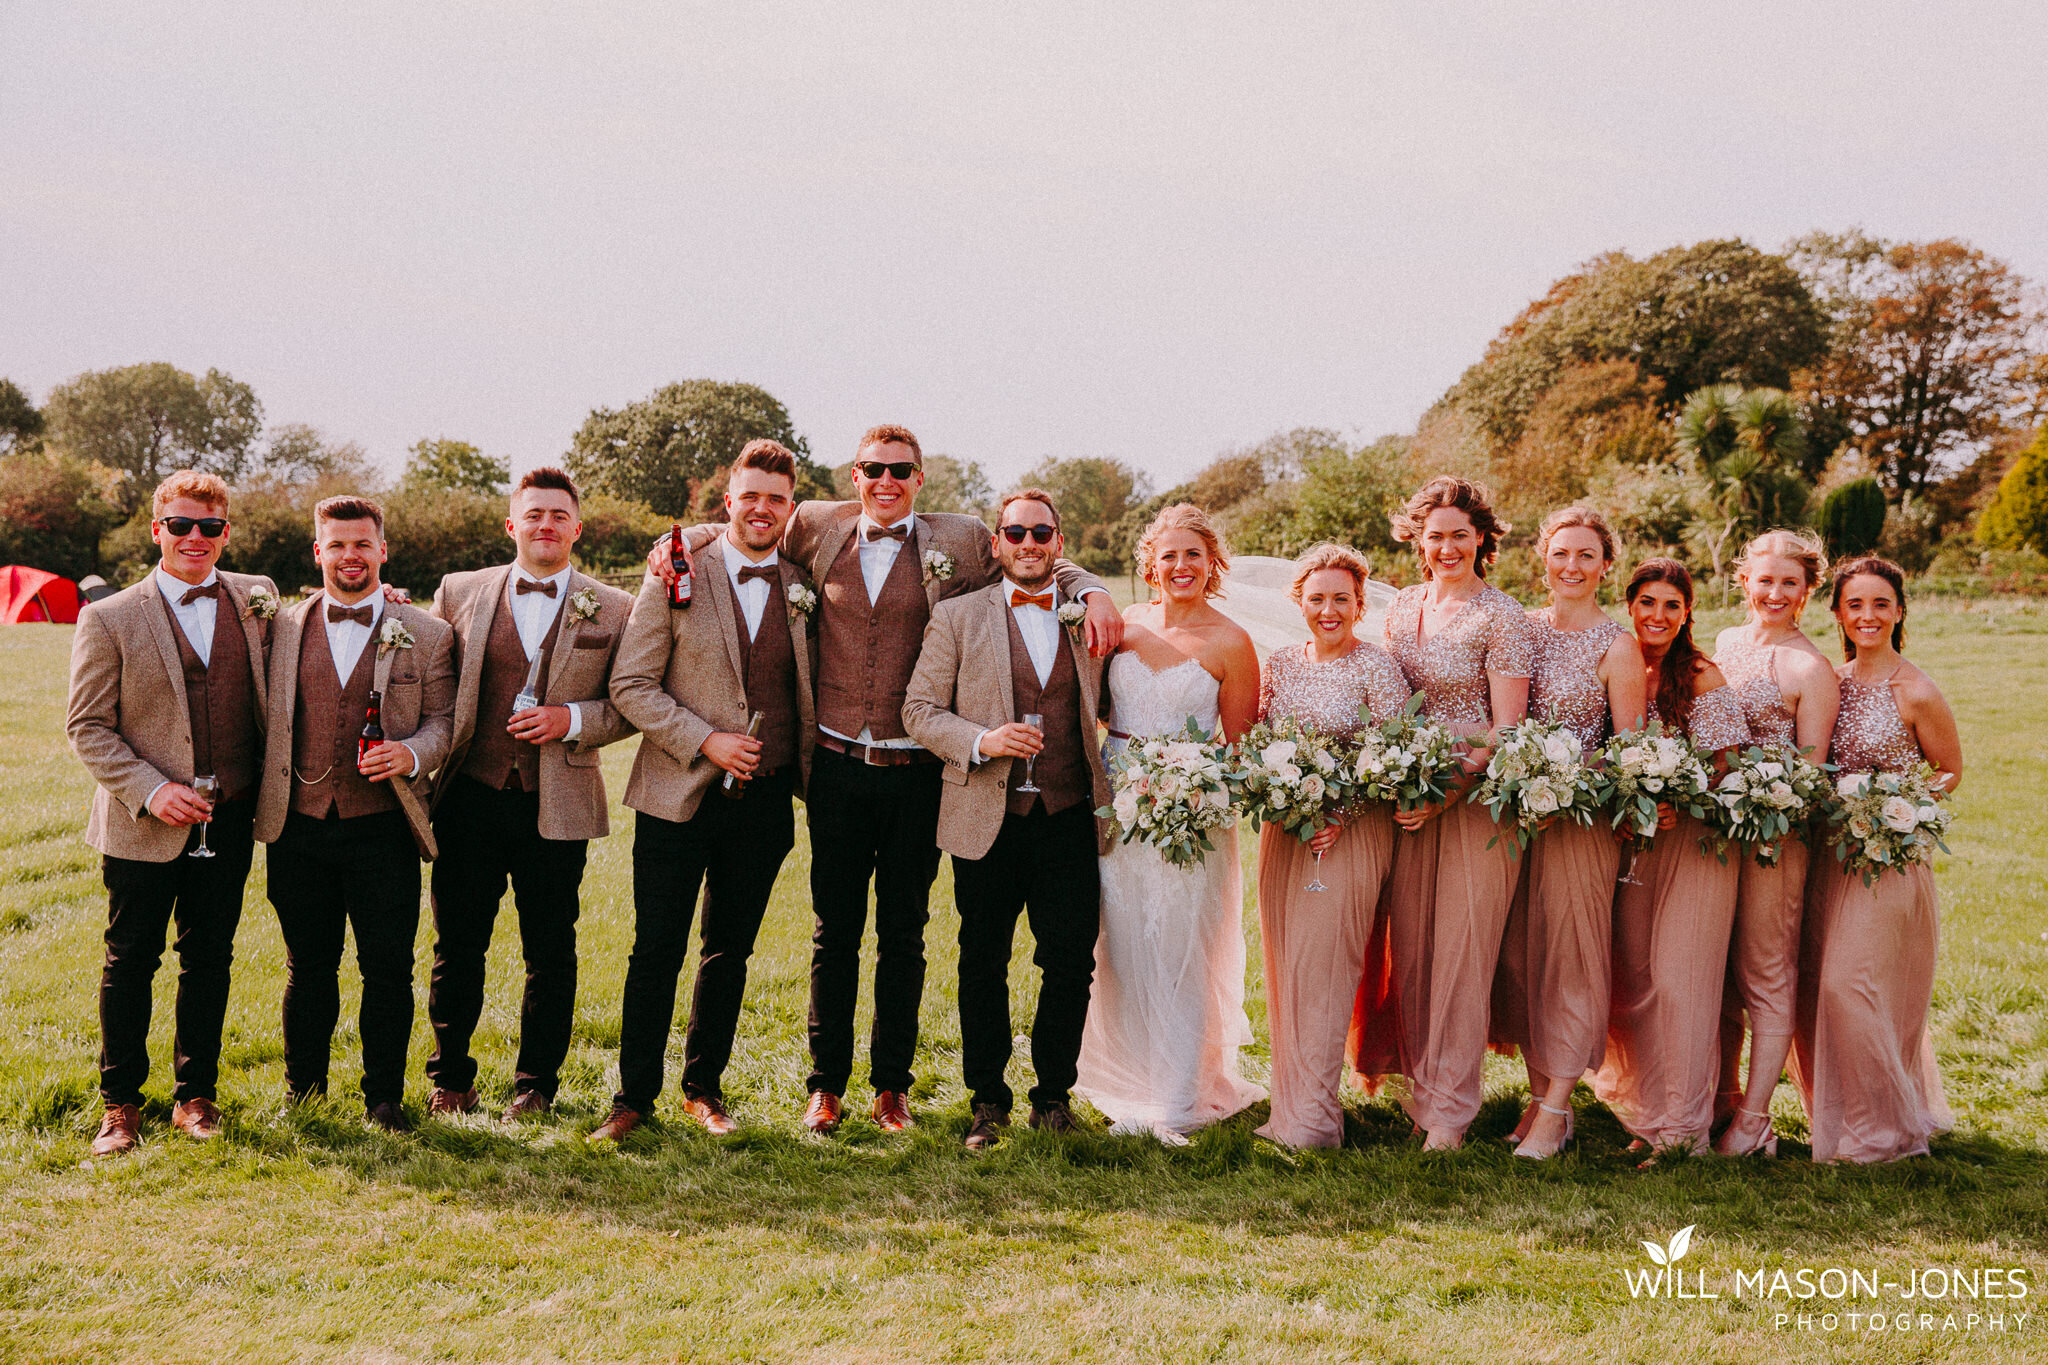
x=360, y=615
x=900, y=531
x=1021, y=598
x=753, y=571
x=203, y=590
x=526, y=585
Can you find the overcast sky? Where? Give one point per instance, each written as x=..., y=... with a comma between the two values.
x=1153, y=231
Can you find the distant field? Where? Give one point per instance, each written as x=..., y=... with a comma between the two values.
x=304, y=1236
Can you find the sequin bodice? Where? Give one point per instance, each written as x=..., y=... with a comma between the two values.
x=1870, y=737
x=1327, y=695
x=1490, y=633
x=1566, y=687
x=1752, y=673
x=1716, y=721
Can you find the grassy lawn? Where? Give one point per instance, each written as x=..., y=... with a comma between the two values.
x=305, y=1236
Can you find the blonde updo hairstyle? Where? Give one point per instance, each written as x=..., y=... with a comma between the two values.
x=1183, y=516
x=1801, y=547
x=1329, y=555
x=1566, y=517
x=1475, y=500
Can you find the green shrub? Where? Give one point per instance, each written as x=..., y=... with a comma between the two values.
x=2017, y=516
x=52, y=512
x=1852, y=518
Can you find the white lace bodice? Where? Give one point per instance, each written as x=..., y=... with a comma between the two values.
x=1143, y=703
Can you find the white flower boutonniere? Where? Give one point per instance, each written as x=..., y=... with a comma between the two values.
x=583, y=604
x=802, y=601
x=393, y=634
x=263, y=604
x=1074, y=616
x=937, y=564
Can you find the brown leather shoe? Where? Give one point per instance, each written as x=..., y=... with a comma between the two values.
x=821, y=1111
x=527, y=1104
x=443, y=1103
x=621, y=1122
x=709, y=1110
x=198, y=1119
x=1054, y=1118
x=118, y=1129
x=892, y=1110
x=390, y=1116
x=987, y=1128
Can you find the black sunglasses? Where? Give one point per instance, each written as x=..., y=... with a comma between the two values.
x=873, y=469
x=210, y=527
x=1042, y=533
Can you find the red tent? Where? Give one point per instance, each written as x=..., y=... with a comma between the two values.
x=32, y=595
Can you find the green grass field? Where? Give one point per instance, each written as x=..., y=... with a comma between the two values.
x=305, y=1236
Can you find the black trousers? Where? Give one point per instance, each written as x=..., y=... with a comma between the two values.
x=733, y=849
x=203, y=896
x=880, y=823
x=487, y=837
x=327, y=876
x=1045, y=865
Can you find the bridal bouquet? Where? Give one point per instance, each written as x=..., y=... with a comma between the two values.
x=1170, y=792
x=1537, y=772
x=1286, y=773
x=1762, y=798
x=1409, y=761
x=1643, y=767
x=1887, y=820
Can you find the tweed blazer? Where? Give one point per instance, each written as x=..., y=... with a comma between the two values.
x=572, y=796
x=962, y=687
x=128, y=718
x=419, y=708
x=678, y=680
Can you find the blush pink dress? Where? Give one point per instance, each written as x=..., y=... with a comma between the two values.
x=1423, y=1008
x=1862, y=1056
x=1671, y=930
x=1314, y=942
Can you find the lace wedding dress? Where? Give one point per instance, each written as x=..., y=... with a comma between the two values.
x=1166, y=1018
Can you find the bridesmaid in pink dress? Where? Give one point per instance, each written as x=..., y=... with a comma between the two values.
x=1467, y=648
x=1674, y=913
x=1551, y=994
x=1789, y=697
x=1864, y=1061
x=1314, y=942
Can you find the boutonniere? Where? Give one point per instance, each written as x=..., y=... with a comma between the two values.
x=583, y=604
x=802, y=601
x=1074, y=616
x=263, y=604
x=937, y=564
x=393, y=634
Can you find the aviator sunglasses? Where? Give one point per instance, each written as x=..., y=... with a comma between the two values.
x=1042, y=533
x=210, y=527
x=874, y=469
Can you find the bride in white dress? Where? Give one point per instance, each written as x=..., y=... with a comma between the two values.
x=1166, y=1018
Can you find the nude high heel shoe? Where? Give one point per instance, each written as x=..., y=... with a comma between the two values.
x=1733, y=1143
x=1531, y=1150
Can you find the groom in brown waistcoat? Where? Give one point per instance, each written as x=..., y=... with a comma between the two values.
x=346, y=835
x=873, y=801
x=167, y=686
x=1018, y=808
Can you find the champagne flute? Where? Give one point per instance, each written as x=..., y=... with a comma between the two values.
x=207, y=787
x=1629, y=851
x=1036, y=722
x=1317, y=883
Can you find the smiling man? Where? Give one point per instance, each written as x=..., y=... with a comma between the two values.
x=521, y=794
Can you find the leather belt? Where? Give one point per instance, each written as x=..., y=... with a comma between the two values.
x=874, y=755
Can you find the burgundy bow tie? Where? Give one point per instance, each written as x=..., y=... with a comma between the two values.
x=360, y=615
x=203, y=590
x=900, y=531
x=526, y=585
x=753, y=571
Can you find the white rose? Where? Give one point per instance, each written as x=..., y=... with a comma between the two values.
x=1898, y=814
x=1859, y=827
x=1217, y=798
x=1278, y=754
x=1631, y=757
x=1782, y=794
x=1540, y=799
x=1167, y=786
x=1929, y=815
x=1853, y=785
x=1312, y=788
x=1324, y=762
x=1770, y=771
x=1561, y=749
x=1126, y=807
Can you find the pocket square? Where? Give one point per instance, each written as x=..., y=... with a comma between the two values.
x=594, y=641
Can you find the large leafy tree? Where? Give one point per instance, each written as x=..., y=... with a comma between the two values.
x=438, y=462
x=952, y=484
x=20, y=421
x=1094, y=495
x=661, y=450
x=143, y=421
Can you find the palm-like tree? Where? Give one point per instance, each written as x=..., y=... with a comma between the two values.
x=1745, y=446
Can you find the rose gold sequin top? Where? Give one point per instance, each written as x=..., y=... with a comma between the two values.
x=1870, y=737
x=1716, y=722
x=1751, y=671
x=1490, y=632
x=1327, y=695
x=1566, y=689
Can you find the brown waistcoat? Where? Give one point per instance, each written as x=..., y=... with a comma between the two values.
x=868, y=650
x=495, y=756
x=768, y=668
x=221, y=701
x=327, y=719
x=1062, y=766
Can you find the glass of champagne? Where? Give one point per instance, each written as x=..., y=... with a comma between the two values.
x=207, y=786
x=1317, y=883
x=1036, y=722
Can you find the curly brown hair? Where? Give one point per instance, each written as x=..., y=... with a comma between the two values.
x=1184, y=516
x=1475, y=500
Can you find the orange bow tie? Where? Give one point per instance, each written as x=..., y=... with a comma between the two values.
x=1021, y=598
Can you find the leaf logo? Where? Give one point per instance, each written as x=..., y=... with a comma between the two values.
x=1681, y=1242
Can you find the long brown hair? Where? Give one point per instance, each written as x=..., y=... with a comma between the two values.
x=1877, y=567
x=1463, y=495
x=1683, y=659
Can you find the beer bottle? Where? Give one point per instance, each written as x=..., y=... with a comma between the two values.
x=680, y=590
x=373, y=729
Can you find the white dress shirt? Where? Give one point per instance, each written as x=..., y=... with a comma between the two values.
x=877, y=558
x=533, y=615
x=346, y=641
x=1041, y=632
x=196, y=617
x=753, y=594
